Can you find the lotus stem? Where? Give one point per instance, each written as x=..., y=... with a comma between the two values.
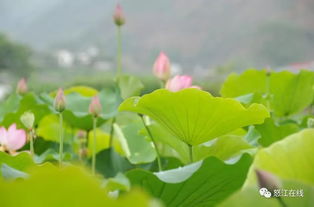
x=282, y=203
x=268, y=74
x=94, y=145
x=111, y=132
x=31, y=142
x=154, y=143
x=61, y=139
x=119, y=52
x=191, y=153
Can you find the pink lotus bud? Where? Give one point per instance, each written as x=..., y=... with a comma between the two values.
x=21, y=87
x=12, y=139
x=161, y=67
x=179, y=82
x=118, y=16
x=95, y=107
x=59, y=103
x=81, y=134
x=267, y=180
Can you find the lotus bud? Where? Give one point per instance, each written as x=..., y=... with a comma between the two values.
x=95, y=107
x=310, y=123
x=21, y=87
x=268, y=71
x=59, y=103
x=81, y=134
x=28, y=119
x=161, y=67
x=83, y=153
x=179, y=82
x=267, y=180
x=118, y=16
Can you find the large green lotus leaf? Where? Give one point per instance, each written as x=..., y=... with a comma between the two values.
x=129, y=86
x=49, y=129
x=76, y=113
x=29, y=102
x=119, y=182
x=291, y=92
x=9, y=173
x=20, y=161
x=199, y=184
x=223, y=147
x=250, y=81
x=250, y=196
x=70, y=186
x=140, y=148
x=83, y=90
x=271, y=132
x=193, y=115
x=252, y=136
x=163, y=136
x=10, y=104
x=110, y=163
x=290, y=158
x=102, y=142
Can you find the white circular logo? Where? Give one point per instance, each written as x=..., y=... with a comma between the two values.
x=264, y=192
x=267, y=194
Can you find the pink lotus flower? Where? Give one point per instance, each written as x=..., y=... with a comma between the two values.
x=95, y=107
x=180, y=82
x=12, y=139
x=118, y=16
x=161, y=67
x=59, y=103
x=21, y=87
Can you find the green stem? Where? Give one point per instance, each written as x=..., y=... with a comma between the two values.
x=94, y=145
x=191, y=153
x=154, y=143
x=162, y=84
x=61, y=139
x=119, y=52
x=268, y=91
x=282, y=203
x=111, y=132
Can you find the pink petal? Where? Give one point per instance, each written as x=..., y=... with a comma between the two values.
x=16, y=138
x=12, y=128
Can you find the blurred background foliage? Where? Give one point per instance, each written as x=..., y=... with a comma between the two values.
x=62, y=43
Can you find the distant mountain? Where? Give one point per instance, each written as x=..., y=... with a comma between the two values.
x=198, y=33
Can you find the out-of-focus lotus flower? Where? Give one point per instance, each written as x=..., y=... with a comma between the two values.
x=81, y=134
x=21, y=87
x=267, y=180
x=161, y=67
x=118, y=16
x=179, y=82
x=12, y=139
x=59, y=103
x=95, y=107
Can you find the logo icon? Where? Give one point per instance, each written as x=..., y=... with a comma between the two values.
x=264, y=192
